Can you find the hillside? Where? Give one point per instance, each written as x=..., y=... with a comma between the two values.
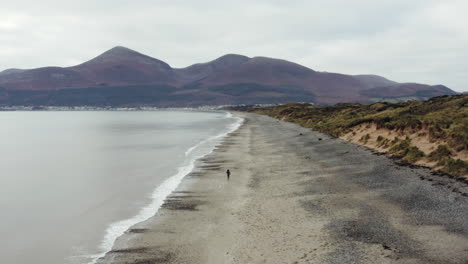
x=124, y=77
x=433, y=133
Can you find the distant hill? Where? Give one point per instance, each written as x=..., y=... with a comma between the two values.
x=124, y=77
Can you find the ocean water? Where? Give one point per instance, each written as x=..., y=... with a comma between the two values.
x=72, y=182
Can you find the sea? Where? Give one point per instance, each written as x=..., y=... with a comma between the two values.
x=71, y=182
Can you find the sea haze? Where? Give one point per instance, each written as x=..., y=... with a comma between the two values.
x=72, y=182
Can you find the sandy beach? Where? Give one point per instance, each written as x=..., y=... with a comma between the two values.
x=298, y=196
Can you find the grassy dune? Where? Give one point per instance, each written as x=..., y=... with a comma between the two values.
x=432, y=133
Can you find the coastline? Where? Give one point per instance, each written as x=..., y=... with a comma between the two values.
x=161, y=192
x=298, y=196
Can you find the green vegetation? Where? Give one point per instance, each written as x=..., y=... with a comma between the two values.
x=401, y=148
x=440, y=153
x=384, y=143
x=452, y=166
x=442, y=119
x=413, y=154
x=393, y=100
x=407, y=152
x=445, y=117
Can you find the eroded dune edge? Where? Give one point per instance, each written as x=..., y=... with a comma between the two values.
x=432, y=133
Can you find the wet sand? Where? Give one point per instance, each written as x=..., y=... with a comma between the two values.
x=298, y=196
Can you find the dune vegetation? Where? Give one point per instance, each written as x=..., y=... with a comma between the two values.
x=432, y=133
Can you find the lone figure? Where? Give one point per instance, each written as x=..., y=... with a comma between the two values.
x=228, y=173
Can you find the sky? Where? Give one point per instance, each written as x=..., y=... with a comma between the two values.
x=403, y=40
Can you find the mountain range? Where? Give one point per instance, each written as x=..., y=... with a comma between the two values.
x=124, y=77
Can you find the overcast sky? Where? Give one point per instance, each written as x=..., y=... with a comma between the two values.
x=405, y=40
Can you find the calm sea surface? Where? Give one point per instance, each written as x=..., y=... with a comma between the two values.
x=70, y=182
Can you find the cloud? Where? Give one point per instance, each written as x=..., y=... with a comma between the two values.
x=420, y=41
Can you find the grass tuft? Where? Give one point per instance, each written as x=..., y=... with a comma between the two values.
x=440, y=153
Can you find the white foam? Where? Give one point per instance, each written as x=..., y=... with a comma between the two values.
x=117, y=229
x=234, y=127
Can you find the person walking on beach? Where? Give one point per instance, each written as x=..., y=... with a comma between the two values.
x=228, y=173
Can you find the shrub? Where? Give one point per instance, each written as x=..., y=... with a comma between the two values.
x=455, y=167
x=440, y=153
x=401, y=148
x=413, y=154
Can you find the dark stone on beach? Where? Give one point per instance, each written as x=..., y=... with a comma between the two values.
x=130, y=250
x=181, y=204
x=137, y=230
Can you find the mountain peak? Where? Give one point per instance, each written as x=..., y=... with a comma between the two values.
x=121, y=48
x=228, y=60
x=202, y=70
x=233, y=58
x=120, y=54
x=279, y=64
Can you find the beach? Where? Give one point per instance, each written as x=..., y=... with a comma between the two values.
x=299, y=196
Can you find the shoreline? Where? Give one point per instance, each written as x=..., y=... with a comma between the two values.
x=299, y=196
x=117, y=229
